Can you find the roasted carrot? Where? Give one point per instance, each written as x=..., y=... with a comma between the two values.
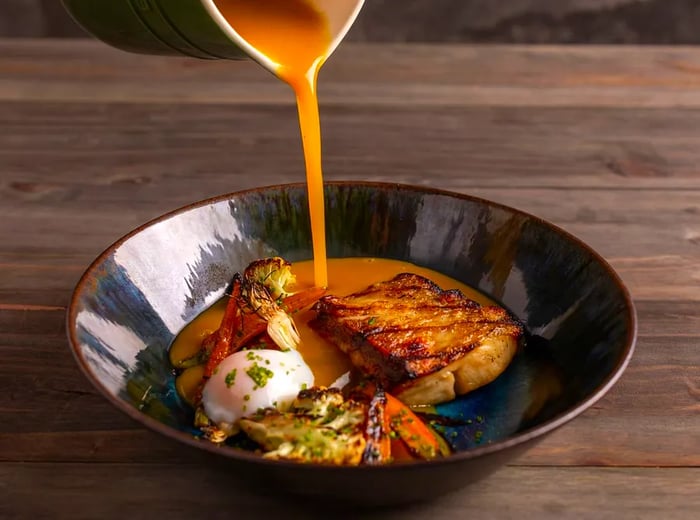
x=378, y=426
x=413, y=434
x=400, y=452
x=420, y=439
x=377, y=431
x=238, y=327
x=297, y=301
x=224, y=335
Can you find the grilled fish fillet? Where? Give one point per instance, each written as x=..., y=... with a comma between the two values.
x=428, y=344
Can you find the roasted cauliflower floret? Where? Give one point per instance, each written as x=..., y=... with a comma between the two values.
x=274, y=273
x=321, y=427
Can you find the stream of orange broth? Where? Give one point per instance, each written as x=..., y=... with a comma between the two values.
x=296, y=37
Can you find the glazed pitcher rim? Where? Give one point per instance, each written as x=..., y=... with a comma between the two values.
x=262, y=59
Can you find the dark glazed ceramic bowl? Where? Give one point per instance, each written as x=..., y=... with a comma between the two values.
x=140, y=292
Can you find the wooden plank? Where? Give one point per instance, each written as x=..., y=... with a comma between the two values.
x=542, y=66
x=620, y=212
x=497, y=65
x=147, y=491
x=446, y=96
x=88, y=71
x=136, y=147
x=659, y=277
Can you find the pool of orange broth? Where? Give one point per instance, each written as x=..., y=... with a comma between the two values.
x=327, y=362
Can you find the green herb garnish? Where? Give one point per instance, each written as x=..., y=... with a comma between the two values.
x=259, y=375
x=230, y=378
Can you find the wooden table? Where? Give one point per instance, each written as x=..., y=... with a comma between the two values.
x=604, y=142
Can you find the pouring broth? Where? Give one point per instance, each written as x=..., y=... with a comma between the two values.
x=371, y=426
x=296, y=36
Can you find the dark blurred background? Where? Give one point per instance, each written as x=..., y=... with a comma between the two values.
x=490, y=21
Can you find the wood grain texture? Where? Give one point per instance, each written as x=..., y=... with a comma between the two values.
x=77, y=491
x=446, y=75
x=601, y=141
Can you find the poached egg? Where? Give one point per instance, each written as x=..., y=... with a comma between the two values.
x=249, y=380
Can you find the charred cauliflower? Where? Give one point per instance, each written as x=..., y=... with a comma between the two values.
x=320, y=427
x=274, y=273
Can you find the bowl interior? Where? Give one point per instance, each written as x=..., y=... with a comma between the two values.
x=143, y=290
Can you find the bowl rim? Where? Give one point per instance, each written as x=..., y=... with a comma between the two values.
x=512, y=441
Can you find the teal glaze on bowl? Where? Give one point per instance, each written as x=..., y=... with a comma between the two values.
x=143, y=290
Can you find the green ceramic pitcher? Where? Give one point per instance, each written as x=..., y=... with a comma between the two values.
x=186, y=27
